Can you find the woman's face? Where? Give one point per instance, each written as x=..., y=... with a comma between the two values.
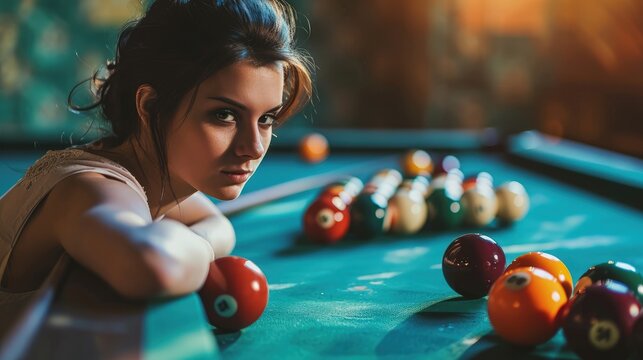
x=221, y=141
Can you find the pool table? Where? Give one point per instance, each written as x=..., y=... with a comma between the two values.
x=382, y=297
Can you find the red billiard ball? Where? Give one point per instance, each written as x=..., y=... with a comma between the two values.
x=327, y=219
x=471, y=263
x=235, y=293
x=598, y=322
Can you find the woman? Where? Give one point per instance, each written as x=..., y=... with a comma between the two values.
x=191, y=100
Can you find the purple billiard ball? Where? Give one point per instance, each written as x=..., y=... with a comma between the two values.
x=598, y=322
x=471, y=264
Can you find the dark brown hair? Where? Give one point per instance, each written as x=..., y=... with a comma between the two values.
x=178, y=44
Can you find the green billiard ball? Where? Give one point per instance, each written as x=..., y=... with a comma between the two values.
x=612, y=270
x=369, y=215
x=445, y=210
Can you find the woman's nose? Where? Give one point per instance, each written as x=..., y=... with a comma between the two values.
x=249, y=143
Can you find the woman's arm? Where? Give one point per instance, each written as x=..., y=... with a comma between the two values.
x=104, y=225
x=205, y=219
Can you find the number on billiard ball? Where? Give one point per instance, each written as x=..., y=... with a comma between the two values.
x=598, y=322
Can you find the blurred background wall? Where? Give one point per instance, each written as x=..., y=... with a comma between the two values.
x=571, y=68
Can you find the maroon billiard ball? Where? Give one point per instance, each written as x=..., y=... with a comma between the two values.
x=471, y=263
x=235, y=293
x=327, y=219
x=445, y=164
x=636, y=339
x=598, y=322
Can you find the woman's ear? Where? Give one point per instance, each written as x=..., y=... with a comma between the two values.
x=145, y=100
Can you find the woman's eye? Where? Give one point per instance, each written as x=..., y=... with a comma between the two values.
x=224, y=115
x=268, y=120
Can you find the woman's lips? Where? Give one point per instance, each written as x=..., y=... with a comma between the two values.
x=237, y=176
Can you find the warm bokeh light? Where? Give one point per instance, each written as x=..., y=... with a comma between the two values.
x=571, y=68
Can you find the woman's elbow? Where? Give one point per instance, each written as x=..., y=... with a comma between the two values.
x=155, y=276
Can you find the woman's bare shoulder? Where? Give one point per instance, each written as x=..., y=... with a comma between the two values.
x=79, y=193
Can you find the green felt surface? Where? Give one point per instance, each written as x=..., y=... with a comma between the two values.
x=386, y=297
x=184, y=335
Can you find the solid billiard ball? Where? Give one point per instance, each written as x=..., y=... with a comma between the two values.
x=327, y=219
x=416, y=162
x=598, y=323
x=636, y=339
x=235, y=293
x=471, y=263
x=445, y=164
x=445, y=209
x=513, y=202
x=523, y=306
x=479, y=205
x=612, y=270
x=408, y=211
x=313, y=148
x=547, y=262
x=369, y=214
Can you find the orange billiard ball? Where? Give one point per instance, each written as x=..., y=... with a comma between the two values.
x=235, y=293
x=523, y=306
x=549, y=263
x=416, y=162
x=313, y=148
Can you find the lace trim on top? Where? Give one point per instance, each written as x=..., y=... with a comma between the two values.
x=53, y=158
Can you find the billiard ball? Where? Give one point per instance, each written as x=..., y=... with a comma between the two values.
x=480, y=178
x=547, y=262
x=313, y=148
x=479, y=205
x=419, y=183
x=597, y=323
x=327, y=219
x=523, y=306
x=369, y=215
x=513, y=202
x=369, y=211
x=636, y=338
x=235, y=293
x=612, y=270
x=445, y=210
x=347, y=189
x=408, y=211
x=471, y=263
x=416, y=162
x=385, y=182
x=444, y=164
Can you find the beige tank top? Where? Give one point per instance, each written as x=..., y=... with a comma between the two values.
x=19, y=202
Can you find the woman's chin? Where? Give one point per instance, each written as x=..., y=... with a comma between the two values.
x=228, y=193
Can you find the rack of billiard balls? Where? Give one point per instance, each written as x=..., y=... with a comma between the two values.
x=532, y=298
x=428, y=196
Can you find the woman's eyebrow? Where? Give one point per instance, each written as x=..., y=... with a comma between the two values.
x=229, y=101
x=240, y=105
